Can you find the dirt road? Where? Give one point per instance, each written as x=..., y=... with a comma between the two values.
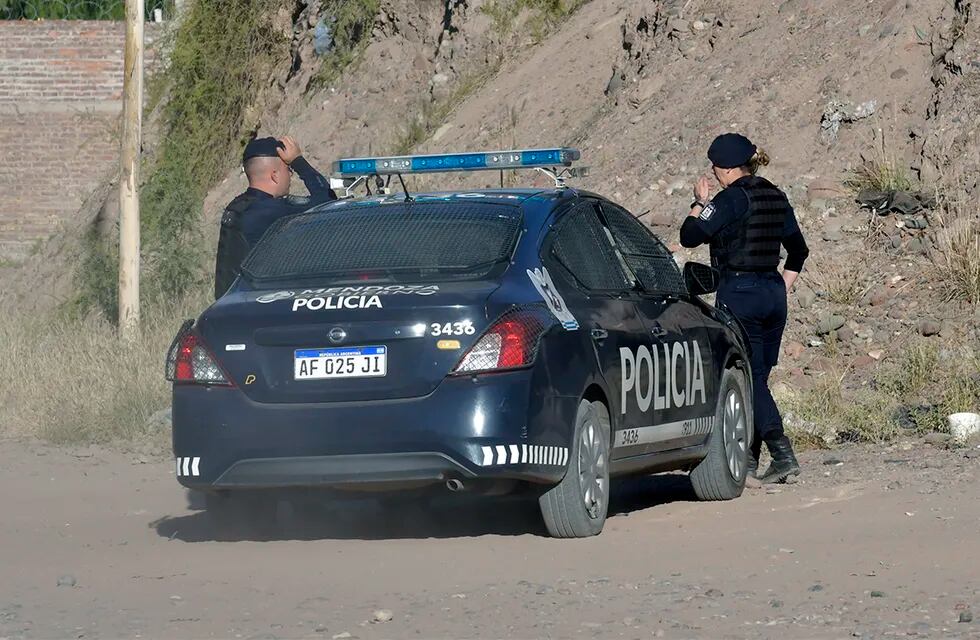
x=884, y=544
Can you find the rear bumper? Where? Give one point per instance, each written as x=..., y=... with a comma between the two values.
x=383, y=469
x=491, y=428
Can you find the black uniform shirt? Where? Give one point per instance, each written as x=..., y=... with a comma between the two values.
x=729, y=207
x=249, y=215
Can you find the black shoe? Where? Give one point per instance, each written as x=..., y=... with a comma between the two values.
x=784, y=463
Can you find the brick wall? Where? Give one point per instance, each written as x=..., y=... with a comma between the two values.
x=60, y=101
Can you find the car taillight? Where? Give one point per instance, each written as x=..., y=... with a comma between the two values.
x=510, y=343
x=190, y=361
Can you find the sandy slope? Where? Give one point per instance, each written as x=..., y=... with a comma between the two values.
x=799, y=563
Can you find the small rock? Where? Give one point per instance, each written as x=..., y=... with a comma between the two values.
x=830, y=323
x=776, y=604
x=821, y=189
x=918, y=245
x=878, y=296
x=805, y=297
x=615, y=82
x=898, y=74
x=67, y=581
x=833, y=235
x=929, y=327
x=813, y=342
x=794, y=349
x=845, y=334
x=920, y=627
x=887, y=31
x=966, y=616
x=343, y=635
x=815, y=588
x=381, y=616
x=864, y=30
x=862, y=362
x=877, y=594
x=832, y=461
x=713, y=593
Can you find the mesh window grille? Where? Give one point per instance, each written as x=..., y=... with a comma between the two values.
x=583, y=248
x=397, y=242
x=646, y=255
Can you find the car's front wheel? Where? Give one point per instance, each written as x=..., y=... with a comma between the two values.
x=577, y=506
x=721, y=474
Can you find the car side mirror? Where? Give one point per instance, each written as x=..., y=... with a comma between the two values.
x=700, y=278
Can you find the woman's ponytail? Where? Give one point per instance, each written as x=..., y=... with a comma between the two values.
x=759, y=159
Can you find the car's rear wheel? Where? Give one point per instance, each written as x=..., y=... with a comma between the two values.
x=577, y=506
x=721, y=474
x=238, y=515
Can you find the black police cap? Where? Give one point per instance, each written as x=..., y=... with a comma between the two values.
x=262, y=148
x=730, y=150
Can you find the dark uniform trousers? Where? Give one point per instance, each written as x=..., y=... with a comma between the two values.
x=758, y=300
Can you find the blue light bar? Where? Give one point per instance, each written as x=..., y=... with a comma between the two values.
x=483, y=161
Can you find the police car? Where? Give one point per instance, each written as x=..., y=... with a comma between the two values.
x=538, y=340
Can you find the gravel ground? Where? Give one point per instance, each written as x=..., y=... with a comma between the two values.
x=872, y=542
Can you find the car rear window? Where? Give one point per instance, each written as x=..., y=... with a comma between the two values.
x=390, y=242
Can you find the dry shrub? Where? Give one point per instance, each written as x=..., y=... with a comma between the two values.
x=958, y=255
x=74, y=381
x=842, y=282
x=913, y=393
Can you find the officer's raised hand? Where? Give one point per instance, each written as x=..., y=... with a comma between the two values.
x=290, y=149
x=702, y=190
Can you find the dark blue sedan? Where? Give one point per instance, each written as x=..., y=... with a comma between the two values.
x=486, y=341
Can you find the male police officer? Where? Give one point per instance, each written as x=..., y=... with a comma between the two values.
x=745, y=225
x=268, y=163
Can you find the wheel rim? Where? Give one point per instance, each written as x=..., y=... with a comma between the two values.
x=734, y=429
x=592, y=469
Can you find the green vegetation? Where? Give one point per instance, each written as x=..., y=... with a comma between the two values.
x=543, y=15
x=351, y=30
x=879, y=175
x=912, y=394
x=219, y=60
x=879, y=171
x=73, y=9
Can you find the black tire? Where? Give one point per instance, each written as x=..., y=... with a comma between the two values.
x=563, y=507
x=239, y=515
x=713, y=478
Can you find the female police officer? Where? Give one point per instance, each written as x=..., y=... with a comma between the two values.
x=745, y=224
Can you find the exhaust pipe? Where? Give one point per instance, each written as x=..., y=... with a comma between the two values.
x=454, y=485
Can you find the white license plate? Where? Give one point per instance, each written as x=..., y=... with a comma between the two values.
x=347, y=362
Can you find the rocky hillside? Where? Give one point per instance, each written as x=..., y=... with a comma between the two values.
x=881, y=94
x=828, y=87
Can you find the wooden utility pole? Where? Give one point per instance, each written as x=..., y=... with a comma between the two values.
x=129, y=202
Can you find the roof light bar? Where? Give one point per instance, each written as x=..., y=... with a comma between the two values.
x=444, y=162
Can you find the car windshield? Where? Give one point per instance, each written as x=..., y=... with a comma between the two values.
x=391, y=242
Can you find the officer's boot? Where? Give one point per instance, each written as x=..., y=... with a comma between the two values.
x=784, y=463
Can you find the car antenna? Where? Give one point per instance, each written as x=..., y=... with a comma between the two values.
x=408, y=196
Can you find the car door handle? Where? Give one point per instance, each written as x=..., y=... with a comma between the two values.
x=599, y=334
x=658, y=331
